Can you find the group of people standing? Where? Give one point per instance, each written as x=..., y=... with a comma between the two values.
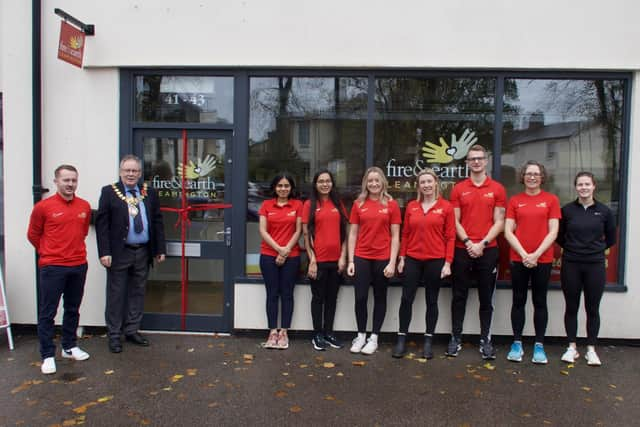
x=130, y=236
x=439, y=238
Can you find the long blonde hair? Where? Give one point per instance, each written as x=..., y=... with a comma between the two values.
x=427, y=171
x=364, y=192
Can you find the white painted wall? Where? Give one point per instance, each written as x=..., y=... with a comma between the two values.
x=80, y=117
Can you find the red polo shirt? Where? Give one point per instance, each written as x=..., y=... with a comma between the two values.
x=429, y=235
x=281, y=224
x=374, y=234
x=531, y=215
x=58, y=228
x=476, y=205
x=326, y=243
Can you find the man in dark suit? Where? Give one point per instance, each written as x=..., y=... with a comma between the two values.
x=130, y=236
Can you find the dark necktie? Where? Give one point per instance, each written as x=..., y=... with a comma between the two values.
x=137, y=220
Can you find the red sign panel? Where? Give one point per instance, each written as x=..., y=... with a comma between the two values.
x=71, y=46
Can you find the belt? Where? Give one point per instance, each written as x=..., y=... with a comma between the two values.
x=134, y=247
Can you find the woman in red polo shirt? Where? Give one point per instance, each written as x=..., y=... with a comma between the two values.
x=374, y=241
x=280, y=227
x=426, y=253
x=531, y=228
x=324, y=224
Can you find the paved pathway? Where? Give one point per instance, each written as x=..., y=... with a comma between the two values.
x=232, y=381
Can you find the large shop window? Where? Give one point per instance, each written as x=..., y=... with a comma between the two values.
x=569, y=126
x=301, y=125
x=430, y=122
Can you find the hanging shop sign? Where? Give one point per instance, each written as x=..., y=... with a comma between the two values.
x=71, y=45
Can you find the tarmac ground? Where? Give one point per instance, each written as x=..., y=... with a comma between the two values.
x=184, y=380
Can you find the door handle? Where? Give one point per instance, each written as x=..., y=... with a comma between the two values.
x=227, y=235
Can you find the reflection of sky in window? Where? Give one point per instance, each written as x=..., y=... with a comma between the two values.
x=308, y=97
x=559, y=100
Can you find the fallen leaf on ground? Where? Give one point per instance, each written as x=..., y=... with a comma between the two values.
x=285, y=374
x=339, y=374
x=358, y=363
x=620, y=398
x=612, y=386
x=586, y=388
x=526, y=415
x=329, y=365
x=564, y=372
x=176, y=378
x=295, y=409
x=67, y=403
x=304, y=365
x=247, y=356
x=191, y=350
x=105, y=399
x=489, y=366
x=421, y=360
x=289, y=385
x=329, y=397
x=192, y=372
x=109, y=372
x=281, y=393
x=213, y=404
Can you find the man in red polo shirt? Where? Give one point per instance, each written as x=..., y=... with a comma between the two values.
x=479, y=205
x=57, y=230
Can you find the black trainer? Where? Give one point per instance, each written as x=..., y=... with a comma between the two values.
x=332, y=340
x=401, y=347
x=319, y=343
x=427, y=351
x=487, y=350
x=454, y=346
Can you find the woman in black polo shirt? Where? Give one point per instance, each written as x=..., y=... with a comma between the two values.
x=587, y=229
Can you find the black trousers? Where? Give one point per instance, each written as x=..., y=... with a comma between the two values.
x=575, y=278
x=426, y=272
x=484, y=270
x=520, y=277
x=56, y=281
x=369, y=272
x=126, y=282
x=324, y=296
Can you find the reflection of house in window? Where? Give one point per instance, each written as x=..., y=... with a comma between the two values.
x=564, y=149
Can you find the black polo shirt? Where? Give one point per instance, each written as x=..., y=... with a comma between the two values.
x=585, y=234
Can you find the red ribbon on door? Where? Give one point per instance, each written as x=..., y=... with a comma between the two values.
x=184, y=222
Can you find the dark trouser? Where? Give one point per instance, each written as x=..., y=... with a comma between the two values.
x=484, y=269
x=279, y=281
x=324, y=294
x=55, y=281
x=126, y=282
x=428, y=272
x=520, y=276
x=370, y=272
x=576, y=277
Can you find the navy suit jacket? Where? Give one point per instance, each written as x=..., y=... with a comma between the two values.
x=112, y=223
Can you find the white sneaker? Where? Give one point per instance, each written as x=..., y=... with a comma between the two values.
x=48, y=366
x=570, y=355
x=371, y=347
x=75, y=353
x=358, y=342
x=592, y=358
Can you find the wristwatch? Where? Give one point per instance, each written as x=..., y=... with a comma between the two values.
x=465, y=240
x=485, y=243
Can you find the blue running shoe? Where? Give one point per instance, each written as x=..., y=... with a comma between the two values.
x=516, y=352
x=539, y=356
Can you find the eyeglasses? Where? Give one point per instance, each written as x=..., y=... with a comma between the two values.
x=475, y=159
x=533, y=174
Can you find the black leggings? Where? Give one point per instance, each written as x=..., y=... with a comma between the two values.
x=370, y=272
x=324, y=294
x=484, y=270
x=428, y=272
x=520, y=276
x=576, y=277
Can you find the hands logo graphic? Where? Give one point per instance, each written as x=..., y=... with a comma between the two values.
x=443, y=153
x=199, y=170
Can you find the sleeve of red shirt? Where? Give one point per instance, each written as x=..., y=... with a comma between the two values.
x=554, y=211
x=88, y=221
x=355, y=214
x=306, y=208
x=453, y=197
x=396, y=216
x=449, y=234
x=511, y=210
x=404, y=241
x=263, y=209
x=36, y=227
x=501, y=197
x=299, y=209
